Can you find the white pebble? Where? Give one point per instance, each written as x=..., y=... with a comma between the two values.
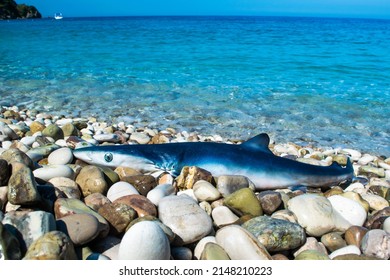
x=200, y=245
x=351, y=249
x=120, y=189
x=52, y=171
x=61, y=156
x=349, y=209
x=222, y=215
x=163, y=190
x=204, y=191
x=386, y=225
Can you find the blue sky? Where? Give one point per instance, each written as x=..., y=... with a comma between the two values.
x=338, y=8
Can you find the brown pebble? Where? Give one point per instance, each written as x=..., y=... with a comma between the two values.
x=143, y=183
x=333, y=241
x=96, y=200
x=354, y=235
x=372, y=220
x=270, y=201
x=119, y=215
x=123, y=172
x=142, y=205
x=190, y=175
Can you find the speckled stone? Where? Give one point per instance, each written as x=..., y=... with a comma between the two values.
x=5, y=172
x=240, y=244
x=16, y=155
x=81, y=228
x=333, y=241
x=244, y=201
x=54, y=245
x=22, y=188
x=270, y=201
x=376, y=243
x=91, y=180
x=354, y=235
x=119, y=215
x=186, y=219
x=276, y=235
x=213, y=251
x=377, y=218
x=227, y=185
x=68, y=186
x=28, y=226
x=312, y=255
x=9, y=245
x=311, y=244
x=376, y=202
x=144, y=241
x=190, y=175
x=68, y=206
x=96, y=200
x=142, y=183
x=142, y=205
x=124, y=171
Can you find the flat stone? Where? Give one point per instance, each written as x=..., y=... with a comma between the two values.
x=375, y=201
x=333, y=241
x=22, y=188
x=68, y=186
x=49, y=172
x=312, y=255
x=144, y=241
x=96, y=200
x=349, y=209
x=61, y=156
x=160, y=192
x=142, y=205
x=350, y=249
x=311, y=244
x=269, y=201
x=316, y=215
x=81, y=228
x=240, y=244
x=205, y=191
x=140, y=138
x=222, y=215
x=186, y=219
x=28, y=226
x=244, y=201
x=108, y=137
x=68, y=206
x=120, y=189
x=376, y=243
x=190, y=175
x=54, y=245
x=124, y=171
x=213, y=251
x=371, y=171
x=142, y=183
x=119, y=215
x=228, y=184
x=91, y=180
x=354, y=235
x=276, y=235
x=9, y=245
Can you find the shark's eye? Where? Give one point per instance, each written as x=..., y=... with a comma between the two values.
x=108, y=157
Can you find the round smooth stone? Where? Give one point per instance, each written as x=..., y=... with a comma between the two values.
x=350, y=249
x=349, y=209
x=49, y=172
x=140, y=138
x=181, y=253
x=386, y=225
x=227, y=184
x=142, y=183
x=358, y=198
x=112, y=138
x=61, y=156
x=376, y=202
x=159, y=192
x=333, y=241
x=312, y=255
x=213, y=251
x=376, y=243
x=201, y=244
x=119, y=215
x=28, y=140
x=240, y=244
x=119, y=190
x=91, y=180
x=81, y=228
x=316, y=215
x=187, y=220
x=276, y=235
x=222, y=215
x=96, y=200
x=270, y=201
x=142, y=205
x=54, y=245
x=245, y=202
x=144, y=241
x=354, y=235
x=205, y=191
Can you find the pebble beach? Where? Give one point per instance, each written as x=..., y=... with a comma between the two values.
x=56, y=207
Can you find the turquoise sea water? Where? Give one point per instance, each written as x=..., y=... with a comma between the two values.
x=306, y=80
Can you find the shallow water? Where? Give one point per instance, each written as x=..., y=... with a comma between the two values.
x=308, y=80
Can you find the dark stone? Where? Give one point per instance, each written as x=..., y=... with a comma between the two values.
x=270, y=201
x=5, y=172
x=143, y=183
x=372, y=222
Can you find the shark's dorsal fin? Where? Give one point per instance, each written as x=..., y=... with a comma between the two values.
x=258, y=143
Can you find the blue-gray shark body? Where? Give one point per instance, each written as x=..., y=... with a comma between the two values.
x=252, y=159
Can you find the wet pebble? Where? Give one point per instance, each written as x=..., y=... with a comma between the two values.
x=354, y=235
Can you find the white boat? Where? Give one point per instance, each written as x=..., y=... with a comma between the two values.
x=58, y=16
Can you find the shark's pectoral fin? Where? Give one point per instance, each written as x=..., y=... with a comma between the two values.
x=258, y=143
